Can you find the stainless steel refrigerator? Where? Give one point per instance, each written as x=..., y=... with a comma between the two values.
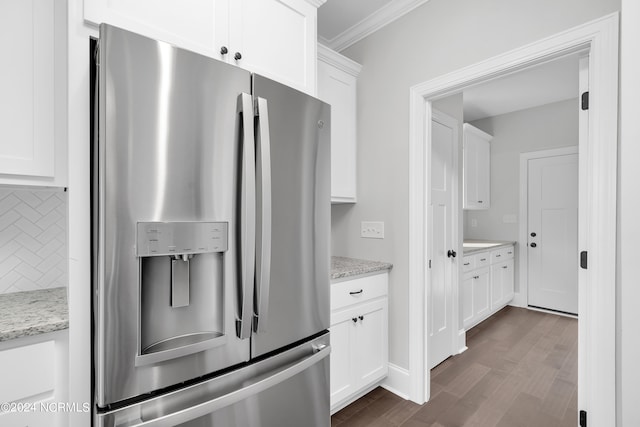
x=211, y=234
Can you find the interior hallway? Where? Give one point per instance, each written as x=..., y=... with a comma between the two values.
x=521, y=370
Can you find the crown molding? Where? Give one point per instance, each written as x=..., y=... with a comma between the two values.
x=372, y=23
x=337, y=60
x=316, y=3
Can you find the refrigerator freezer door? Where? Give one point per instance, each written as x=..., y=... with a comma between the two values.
x=300, y=201
x=169, y=151
x=288, y=389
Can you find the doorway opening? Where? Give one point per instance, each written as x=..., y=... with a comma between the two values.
x=597, y=217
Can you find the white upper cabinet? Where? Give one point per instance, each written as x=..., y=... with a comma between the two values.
x=337, y=85
x=32, y=43
x=275, y=38
x=476, y=168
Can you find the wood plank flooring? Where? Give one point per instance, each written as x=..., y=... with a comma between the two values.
x=521, y=370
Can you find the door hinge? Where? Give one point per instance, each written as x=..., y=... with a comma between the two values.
x=585, y=100
x=583, y=260
x=583, y=418
x=429, y=263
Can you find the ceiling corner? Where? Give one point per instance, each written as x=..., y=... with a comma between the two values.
x=372, y=23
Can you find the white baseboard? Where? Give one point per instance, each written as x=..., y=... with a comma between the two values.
x=397, y=381
x=462, y=341
x=519, y=300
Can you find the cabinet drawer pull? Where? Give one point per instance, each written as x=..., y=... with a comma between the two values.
x=355, y=292
x=467, y=263
x=498, y=256
x=355, y=319
x=504, y=266
x=361, y=318
x=476, y=277
x=509, y=253
x=479, y=201
x=483, y=259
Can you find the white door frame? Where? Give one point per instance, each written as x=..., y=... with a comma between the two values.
x=521, y=298
x=447, y=120
x=596, y=378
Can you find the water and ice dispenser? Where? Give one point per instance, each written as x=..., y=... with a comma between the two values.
x=181, y=288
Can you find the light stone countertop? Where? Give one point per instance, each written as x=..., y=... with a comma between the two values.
x=32, y=313
x=346, y=267
x=472, y=250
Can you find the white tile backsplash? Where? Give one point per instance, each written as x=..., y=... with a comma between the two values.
x=33, y=242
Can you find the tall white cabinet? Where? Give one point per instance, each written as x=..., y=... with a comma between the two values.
x=275, y=38
x=476, y=168
x=33, y=88
x=337, y=85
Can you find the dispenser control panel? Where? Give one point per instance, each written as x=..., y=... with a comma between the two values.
x=179, y=238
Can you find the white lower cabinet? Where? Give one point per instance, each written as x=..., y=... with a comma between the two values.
x=34, y=378
x=487, y=284
x=359, y=337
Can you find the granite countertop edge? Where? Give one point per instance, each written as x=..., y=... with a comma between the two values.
x=499, y=244
x=33, y=313
x=342, y=267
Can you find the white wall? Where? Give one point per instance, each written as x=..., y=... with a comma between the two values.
x=534, y=129
x=628, y=342
x=436, y=38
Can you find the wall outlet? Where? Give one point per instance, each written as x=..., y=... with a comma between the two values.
x=372, y=229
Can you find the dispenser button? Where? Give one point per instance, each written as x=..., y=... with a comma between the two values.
x=153, y=246
x=171, y=248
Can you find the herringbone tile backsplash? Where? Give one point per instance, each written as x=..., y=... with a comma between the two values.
x=33, y=243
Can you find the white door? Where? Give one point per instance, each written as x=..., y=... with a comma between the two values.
x=552, y=252
x=444, y=140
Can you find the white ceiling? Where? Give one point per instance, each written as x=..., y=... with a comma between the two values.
x=344, y=22
x=546, y=83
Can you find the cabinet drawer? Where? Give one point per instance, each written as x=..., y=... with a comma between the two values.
x=502, y=254
x=482, y=259
x=29, y=370
x=358, y=290
x=468, y=263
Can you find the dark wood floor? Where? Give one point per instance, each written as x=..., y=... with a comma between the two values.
x=521, y=370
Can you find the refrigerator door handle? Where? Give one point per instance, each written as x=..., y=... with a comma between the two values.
x=247, y=216
x=263, y=254
x=252, y=389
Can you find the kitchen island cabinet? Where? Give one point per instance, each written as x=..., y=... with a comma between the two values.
x=240, y=32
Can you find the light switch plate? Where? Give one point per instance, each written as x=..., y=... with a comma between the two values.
x=372, y=229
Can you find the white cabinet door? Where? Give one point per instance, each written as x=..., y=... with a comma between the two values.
x=198, y=25
x=467, y=299
x=370, y=344
x=277, y=39
x=476, y=168
x=342, y=379
x=27, y=108
x=481, y=292
x=337, y=86
x=507, y=278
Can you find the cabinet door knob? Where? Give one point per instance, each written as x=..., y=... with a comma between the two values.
x=533, y=234
x=355, y=319
x=224, y=50
x=237, y=56
x=451, y=253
